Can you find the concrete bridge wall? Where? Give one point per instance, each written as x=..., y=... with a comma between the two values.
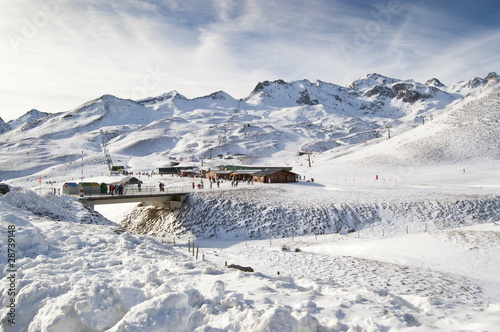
x=171, y=201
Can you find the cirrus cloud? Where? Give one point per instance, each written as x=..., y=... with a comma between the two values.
x=58, y=54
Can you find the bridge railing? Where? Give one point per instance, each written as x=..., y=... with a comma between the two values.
x=186, y=188
x=146, y=190
x=149, y=190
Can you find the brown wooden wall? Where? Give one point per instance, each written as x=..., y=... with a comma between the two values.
x=281, y=176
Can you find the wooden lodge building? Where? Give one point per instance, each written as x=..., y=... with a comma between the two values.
x=189, y=172
x=274, y=175
x=218, y=174
x=243, y=175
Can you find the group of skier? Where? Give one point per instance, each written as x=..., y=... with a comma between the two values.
x=115, y=189
x=119, y=189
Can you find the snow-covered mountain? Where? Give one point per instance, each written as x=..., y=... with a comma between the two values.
x=276, y=121
x=398, y=231
x=3, y=126
x=27, y=118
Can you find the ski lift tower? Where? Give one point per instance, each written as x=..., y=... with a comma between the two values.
x=106, y=151
x=306, y=150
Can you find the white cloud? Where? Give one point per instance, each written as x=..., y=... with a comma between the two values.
x=70, y=52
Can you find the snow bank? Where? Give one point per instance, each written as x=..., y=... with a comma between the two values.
x=29, y=241
x=54, y=207
x=261, y=213
x=88, y=306
x=278, y=320
x=165, y=313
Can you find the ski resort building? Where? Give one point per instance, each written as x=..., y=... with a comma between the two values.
x=127, y=181
x=275, y=176
x=255, y=168
x=173, y=169
x=257, y=174
x=244, y=175
x=218, y=174
x=188, y=172
x=70, y=188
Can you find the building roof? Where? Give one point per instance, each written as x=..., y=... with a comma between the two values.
x=216, y=171
x=248, y=167
x=246, y=171
x=128, y=180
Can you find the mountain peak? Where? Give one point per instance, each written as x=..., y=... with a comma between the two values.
x=219, y=98
x=367, y=82
x=161, y=99
x=108, y=97
x=28, y=117
x=4, y=127
x=475, y=82
x=435, y=83
x=285, y=94
x=262, y=85
x=218, y=95
x=174, y=95
x=376, y=76
x=492, y=77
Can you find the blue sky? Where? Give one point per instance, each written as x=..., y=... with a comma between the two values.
x=58, y=54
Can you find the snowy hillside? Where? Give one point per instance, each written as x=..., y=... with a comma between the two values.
x=394, y=225
x=465, y=130
x=276, y=121
x=272, y=212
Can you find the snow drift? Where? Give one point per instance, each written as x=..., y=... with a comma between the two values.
x=264, y=213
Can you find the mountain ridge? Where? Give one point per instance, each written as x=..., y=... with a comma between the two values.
x=274, y=122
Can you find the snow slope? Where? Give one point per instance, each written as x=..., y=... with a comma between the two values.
x=396, y=234
x=273, y=212
x=465, y=131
